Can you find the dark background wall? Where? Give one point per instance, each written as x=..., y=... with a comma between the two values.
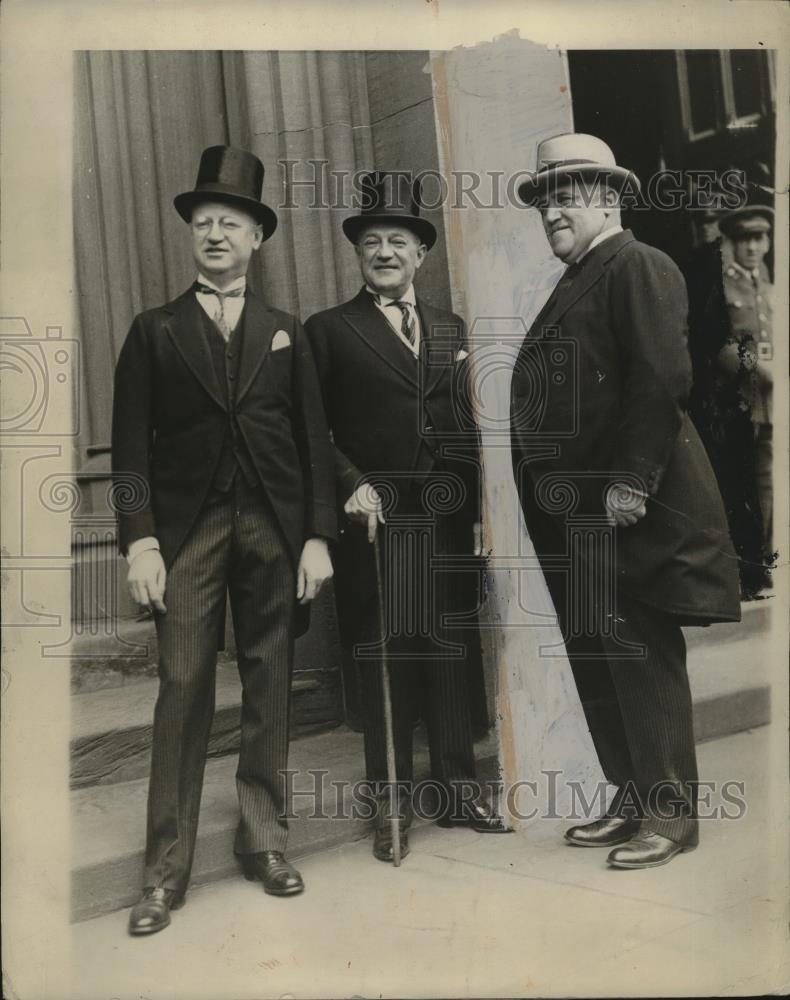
x=673, y=110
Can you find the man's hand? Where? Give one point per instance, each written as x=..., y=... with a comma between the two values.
x=315, y=568
x=146, y=580
x=364, y=507
x=624, y=505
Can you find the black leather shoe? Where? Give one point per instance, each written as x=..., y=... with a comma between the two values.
x=270, y=867
x=152, y=912
x=606, y=832
x=647, y=850
x=478, y=816
x=382, y=844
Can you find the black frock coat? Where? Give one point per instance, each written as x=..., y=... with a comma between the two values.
x=406, y=425
x=599, y=395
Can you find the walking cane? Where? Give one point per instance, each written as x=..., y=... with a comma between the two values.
x=392, y=776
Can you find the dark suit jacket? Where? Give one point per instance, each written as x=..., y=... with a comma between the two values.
x=599, y=395
x=395, y=421
x=170, y=422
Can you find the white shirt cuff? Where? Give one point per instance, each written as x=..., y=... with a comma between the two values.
x=141, y=545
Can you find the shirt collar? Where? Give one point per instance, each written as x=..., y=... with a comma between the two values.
x=408, y=296
x=749, y=274
x=605, y=235
x=238, y=283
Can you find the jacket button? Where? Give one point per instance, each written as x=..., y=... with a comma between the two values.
x=231, y=376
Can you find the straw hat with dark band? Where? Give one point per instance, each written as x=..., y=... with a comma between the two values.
x=574, y=155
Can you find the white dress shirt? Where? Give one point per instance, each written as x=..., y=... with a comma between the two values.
x=233, y=306
x=605, y=235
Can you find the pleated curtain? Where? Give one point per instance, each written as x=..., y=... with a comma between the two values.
x=141, y=122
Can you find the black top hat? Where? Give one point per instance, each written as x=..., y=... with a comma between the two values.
x=229, y=175
x=390, y=198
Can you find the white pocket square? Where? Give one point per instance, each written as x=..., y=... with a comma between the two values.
x=461, y=355
x=280, y=340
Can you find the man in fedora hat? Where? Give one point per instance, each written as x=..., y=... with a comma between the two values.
x=217, y=412
x=742, y=386
x=391, y=368
x=614, y=458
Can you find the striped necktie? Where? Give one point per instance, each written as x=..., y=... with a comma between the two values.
x=407, y=327
x=219, y=317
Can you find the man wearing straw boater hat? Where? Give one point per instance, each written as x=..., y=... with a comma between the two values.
x=391, y=368
x=619, y=498
x=218, y=414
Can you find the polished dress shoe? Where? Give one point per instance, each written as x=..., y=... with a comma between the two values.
x=477, y=815
x=382, y=844
x=647, y=850
x=606, y=832
x=270, y=867
x=152, y=912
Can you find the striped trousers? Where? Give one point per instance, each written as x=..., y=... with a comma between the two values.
x=234, y=549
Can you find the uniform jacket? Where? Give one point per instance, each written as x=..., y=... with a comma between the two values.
x=395, y=420
x=744, y=362
x=599, y=395
x=170, y=423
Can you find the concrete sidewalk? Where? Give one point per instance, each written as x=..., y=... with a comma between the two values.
x=473, y=915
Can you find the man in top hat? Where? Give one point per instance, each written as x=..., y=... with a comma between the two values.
x=614, y=467
x=743, y=386
x=392, y=369
x=217, y=413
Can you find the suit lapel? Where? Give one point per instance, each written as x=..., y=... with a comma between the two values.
x=433, y=332
x=592, y=270
x=259, y=326
x=185, y=328
x=367, y=321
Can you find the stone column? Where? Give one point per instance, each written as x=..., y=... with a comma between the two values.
x=494, y=103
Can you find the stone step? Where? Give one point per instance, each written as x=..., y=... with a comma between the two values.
x=108, y=821
x=755, y=621
x=116, y=651
x=729, y=670
x=112, y=727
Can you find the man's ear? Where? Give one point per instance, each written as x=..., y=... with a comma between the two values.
x=258, y=238
x=611, y=200
x=422, y=250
